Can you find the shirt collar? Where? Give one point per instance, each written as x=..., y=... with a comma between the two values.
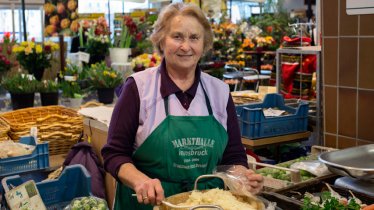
x=168, y=87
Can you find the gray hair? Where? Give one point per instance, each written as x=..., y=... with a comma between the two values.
x=163, y=22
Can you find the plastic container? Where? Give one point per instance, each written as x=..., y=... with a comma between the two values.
x=38, y=159
x=74, y=181
x=253, y=124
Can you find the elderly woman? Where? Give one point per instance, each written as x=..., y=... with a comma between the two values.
x=173, y=122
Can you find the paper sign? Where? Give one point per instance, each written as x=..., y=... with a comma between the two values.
x=25, y=196
x=84, y=57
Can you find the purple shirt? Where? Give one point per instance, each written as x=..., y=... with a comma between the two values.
x=125, y=121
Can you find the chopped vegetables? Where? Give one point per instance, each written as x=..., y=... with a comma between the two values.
x=88, y=203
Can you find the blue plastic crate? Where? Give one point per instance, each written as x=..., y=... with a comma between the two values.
x=253, y=124
x=74, y=181
x=38, y=159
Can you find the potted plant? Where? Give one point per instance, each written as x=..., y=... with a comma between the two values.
x=71, y=93
x=98, y=42
x=35, y=57
x=22, y=90
x=48, y=90
x=133, y=36
x=104, y=79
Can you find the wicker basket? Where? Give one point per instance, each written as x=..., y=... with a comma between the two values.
x=4, y=129
x=59, y=125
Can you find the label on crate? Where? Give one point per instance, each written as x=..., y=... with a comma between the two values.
x=25, y=196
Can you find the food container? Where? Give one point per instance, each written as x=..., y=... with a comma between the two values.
x=182, y=197
x=356, y=162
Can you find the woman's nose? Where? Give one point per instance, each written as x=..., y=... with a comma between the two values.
x=185, y=46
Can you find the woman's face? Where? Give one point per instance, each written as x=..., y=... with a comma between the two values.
x=183, y=44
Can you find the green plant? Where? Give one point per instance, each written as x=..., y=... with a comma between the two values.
x=101, y=76
x=20, y=83
x=71, y=89
x=48, y=86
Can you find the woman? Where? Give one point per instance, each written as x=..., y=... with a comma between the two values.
x=173, y=123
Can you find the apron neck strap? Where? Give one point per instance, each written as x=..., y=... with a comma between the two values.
x=166, y=102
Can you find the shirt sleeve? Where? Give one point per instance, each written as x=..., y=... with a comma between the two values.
x=234, y=153
x=122, y=129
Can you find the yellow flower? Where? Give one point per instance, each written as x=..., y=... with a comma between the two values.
x=31, y=44
x=28, y=50
x=113, y=75
x=38, y=49
x=106, y=73
x=24, y=44
x=144, y=56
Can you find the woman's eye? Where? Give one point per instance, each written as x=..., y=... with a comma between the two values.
x=194, y=38
x=177, y=37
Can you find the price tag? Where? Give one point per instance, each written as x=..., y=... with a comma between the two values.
x=84, y=57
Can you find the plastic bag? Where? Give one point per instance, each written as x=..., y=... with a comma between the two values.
x=12, y=149
x=314, y=167
x=235, y=179
x=89, y=202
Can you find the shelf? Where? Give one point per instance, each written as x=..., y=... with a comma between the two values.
x=295, y=137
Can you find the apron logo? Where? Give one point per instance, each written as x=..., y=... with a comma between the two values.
x=193, y=143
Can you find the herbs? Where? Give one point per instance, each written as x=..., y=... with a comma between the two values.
x=48, y=86
x=328, y=202
x=20, y=83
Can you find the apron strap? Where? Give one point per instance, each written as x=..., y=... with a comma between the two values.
x=166, y=102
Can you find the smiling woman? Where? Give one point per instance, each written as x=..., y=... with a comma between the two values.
x=181, y=123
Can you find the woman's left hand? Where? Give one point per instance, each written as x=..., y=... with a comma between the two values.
x=253, y=182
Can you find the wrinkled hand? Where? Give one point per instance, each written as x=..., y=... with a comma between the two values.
x=255, y=181
x=249, y=180
x=149, y=192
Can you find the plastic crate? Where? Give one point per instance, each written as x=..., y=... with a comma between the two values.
x=254, y=125
x=38, y=159
x=74, y=181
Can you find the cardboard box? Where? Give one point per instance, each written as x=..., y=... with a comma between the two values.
x=97, y=133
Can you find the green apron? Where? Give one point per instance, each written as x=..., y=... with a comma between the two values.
x=179, y=150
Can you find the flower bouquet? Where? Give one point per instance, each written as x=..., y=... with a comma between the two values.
x=104, y=79
x=144, y=61
x=6, y=45
x=98, y=42
x=35, y=57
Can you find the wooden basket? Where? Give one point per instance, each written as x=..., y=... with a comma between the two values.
x=4, y=129
x=59, y=125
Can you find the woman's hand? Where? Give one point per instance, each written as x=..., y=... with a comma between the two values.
x=255, y=181
x=148, y=191
x=252, y=182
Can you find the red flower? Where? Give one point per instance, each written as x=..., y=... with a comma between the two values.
x=8, y=51
x=138, y=36
x=153, y=59
x=142, y=19
x=33, y=39
x=7, y=35
x=47, y=48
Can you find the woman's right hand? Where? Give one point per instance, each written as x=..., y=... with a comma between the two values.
x=149, y=191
